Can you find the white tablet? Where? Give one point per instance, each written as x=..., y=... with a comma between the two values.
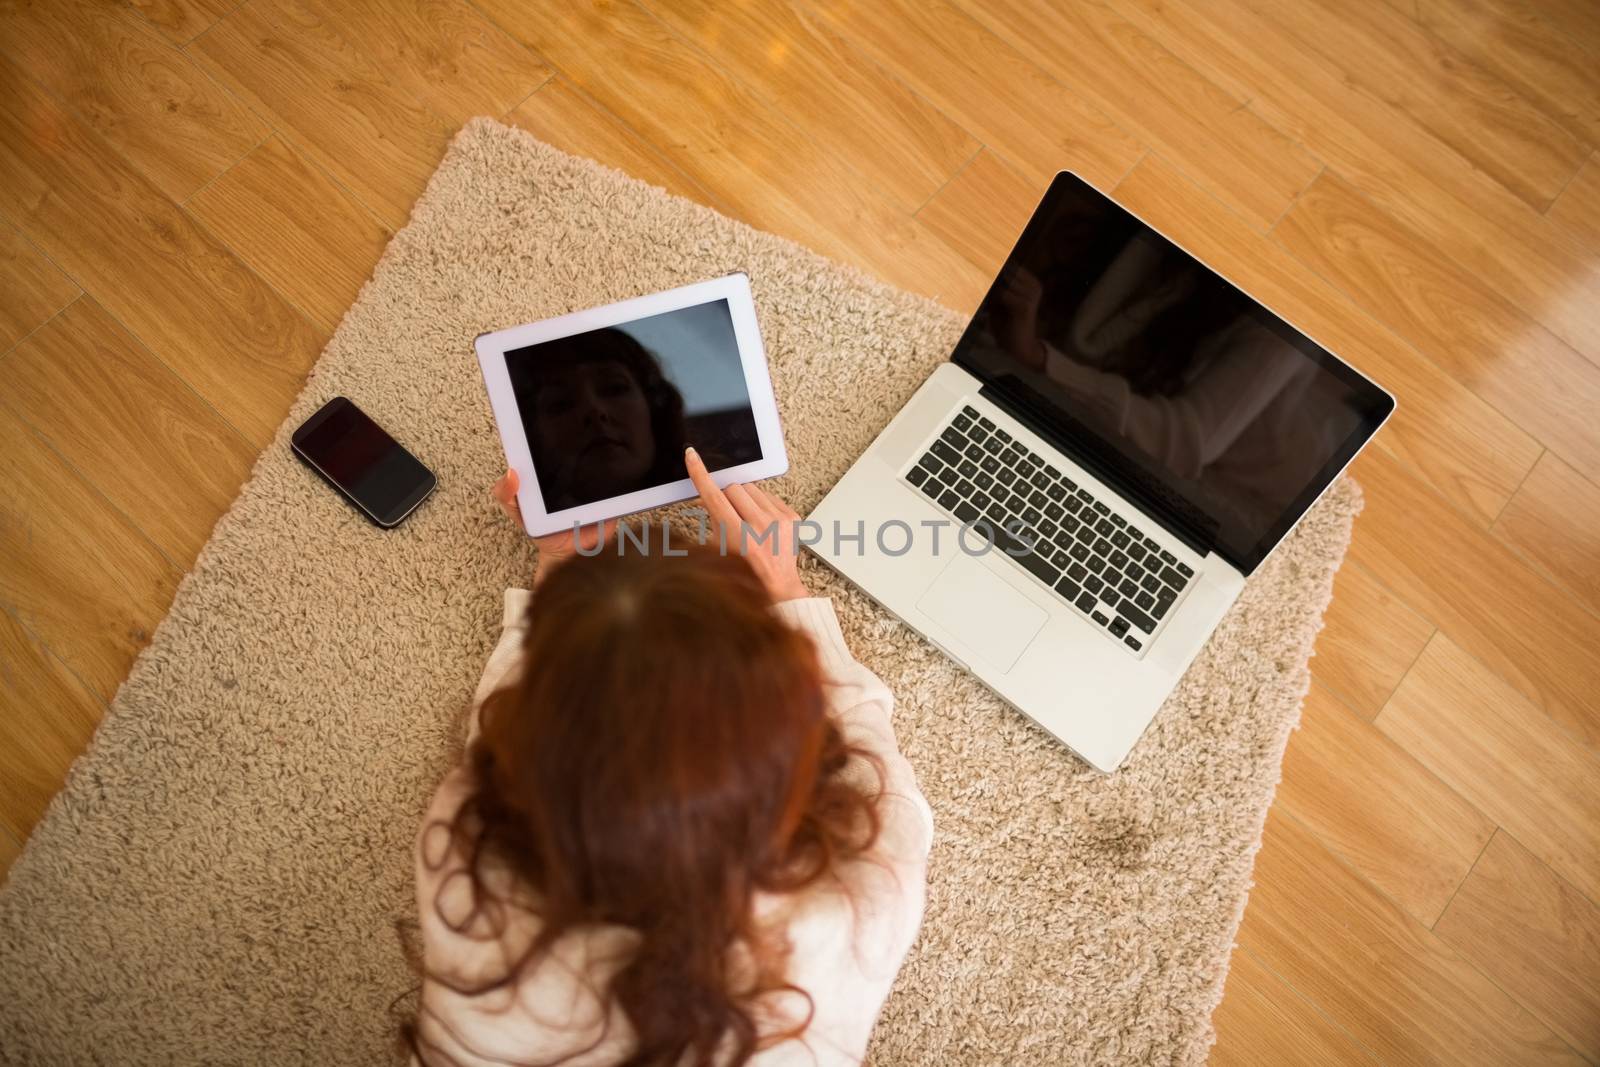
x=595, y=408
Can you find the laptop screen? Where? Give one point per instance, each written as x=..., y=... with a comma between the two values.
x=1163, y=378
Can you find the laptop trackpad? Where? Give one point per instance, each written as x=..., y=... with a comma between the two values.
x=982, y=611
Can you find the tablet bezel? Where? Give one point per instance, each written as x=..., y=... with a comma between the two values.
x=492, y=349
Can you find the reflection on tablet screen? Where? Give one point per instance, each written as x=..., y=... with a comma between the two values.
x=609, y=411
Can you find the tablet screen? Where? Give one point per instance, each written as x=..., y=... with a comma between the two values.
x=609, y=411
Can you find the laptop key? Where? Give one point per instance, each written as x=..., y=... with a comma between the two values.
x=1031, y=515
x=1085, y=603
x=1102, y=547
x=1118, y=520
x=1069, y=589
x=1100, y=617
x=964, y=488
x=1118, y=560
x=967, y=469
x=1080, y=551
x=969, y=411
x=983, y=420
x=1010, y=457
x=1173, y=578
x=1133, y=570
x=978, y=434
x=998, y=432
x=1096, y=564
x=1185, y=570
x=1137, y=551
x=1054, y=491
x=931, y=488
x=1104, y=528
x=1005, y=475
x=983, y=480
x=1054, y=511
x=1040, y=501
x=992, y=446
x=1120, y=539
x=943, y=450
x=1151, y=584
x=989, y=465
x=1060, y=559
x=1145, y=601
x=1094, y=584
x=1078, y=572
x=997, y=514
x=961, y=422
x=981, y=500
x=1048, y=528
x=916, y=475
x=1101, y=508
x=966, y=512
x=1127, y=588
x=973, y=451
x=1119, y=626
x=1110, y=596
x=1167, y=557
x=1132, y=642
x=953, y=437
x=949, y=500
x=1163, y=605
x=1144, y=622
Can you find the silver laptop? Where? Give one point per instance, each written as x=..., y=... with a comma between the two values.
x=1070, y=505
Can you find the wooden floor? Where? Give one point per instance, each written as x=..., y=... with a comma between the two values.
x=192, y=192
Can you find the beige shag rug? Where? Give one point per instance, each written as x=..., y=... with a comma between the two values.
x=217, y=882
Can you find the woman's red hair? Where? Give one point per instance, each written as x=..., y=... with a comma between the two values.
x=666, y=755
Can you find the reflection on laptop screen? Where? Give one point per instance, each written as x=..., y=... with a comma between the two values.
x=1175, y=379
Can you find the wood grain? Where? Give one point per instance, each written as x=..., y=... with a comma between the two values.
x=1422, y=181
x=221, y=329
x=753, y=159
x=1014, y=108
x=183, y=20
x=562, y=115
x=46, y=719
x=1553, y=71
x=1554, y=520
x=291, y=224
x=329, y=98
x=1374, y=971
x=123, y=77
x=851, y=108
x=1498, y=751
x=1378, y=809
x=1262, y=1022
x=32, y=288
x=1535, y=637
x=1577, y=209
x=1454, y=319
x=1097, y=53
x=981, y=213
x=1386, y=55
x=1026, y=117
x=158, y=453
x=1473, y=454
x=1535, y=935
x=1369, y=639
x=74, y=571
x=444, y=52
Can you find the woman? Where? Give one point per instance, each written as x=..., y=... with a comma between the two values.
x=682, y=833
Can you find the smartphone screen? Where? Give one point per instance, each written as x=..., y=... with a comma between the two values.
x=363, y=462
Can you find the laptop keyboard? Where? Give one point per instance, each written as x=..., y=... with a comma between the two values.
x=1107, y=568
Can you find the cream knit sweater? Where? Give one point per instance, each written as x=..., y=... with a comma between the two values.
x=848, y=938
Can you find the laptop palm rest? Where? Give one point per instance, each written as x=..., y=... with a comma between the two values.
x=979, y=609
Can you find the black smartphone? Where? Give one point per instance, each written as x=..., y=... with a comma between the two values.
x=368, y=467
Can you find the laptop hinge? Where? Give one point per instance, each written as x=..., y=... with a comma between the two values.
x=1184, y=523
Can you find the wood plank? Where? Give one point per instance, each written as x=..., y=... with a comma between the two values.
x=1018, y=111
x=982, y=212
x=562, y=115
x=750, y=157
x=1535, y=935
x=1369, y=639
x=320, y=91
x=183, y=20
x=46, y=719
x=1548, y=68
x=1473, y=454
x=1373, y=970
x=1577, y=209
x=1534, y=636
x=444, y=52
x=1475, y=221
x=1578, y=19
x=1387, y=55
x=32, y=288
x=1494, y=748
x=216, y=324
x=1554, y=520
x=1379, y=810
x=130, y=427
x=289, y=222
x=845, y=103
x=1262, y=1022
x=74, y=571
x=123, y=77
x=1210, y=134
x=1457, y=320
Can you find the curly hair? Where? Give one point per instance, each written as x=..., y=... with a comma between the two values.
x=666, y=756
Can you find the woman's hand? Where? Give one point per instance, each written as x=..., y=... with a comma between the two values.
x=774, y=558
x=553, y=548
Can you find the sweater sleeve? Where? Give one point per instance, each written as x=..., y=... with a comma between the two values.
x=862, y=705
x=506, y=658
